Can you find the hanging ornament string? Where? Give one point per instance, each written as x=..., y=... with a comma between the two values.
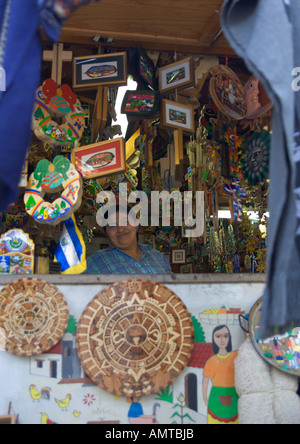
x=4, y=32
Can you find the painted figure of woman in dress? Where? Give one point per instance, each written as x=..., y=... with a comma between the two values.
x=222, y=401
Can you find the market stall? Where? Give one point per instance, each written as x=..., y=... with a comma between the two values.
x=154, y=110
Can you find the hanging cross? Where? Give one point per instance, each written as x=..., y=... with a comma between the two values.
x=237, y=193
x=189, y=177
x=57, y=56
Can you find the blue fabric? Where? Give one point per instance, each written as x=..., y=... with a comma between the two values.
x=136, y=410
x=114, y=261
x=22, y=65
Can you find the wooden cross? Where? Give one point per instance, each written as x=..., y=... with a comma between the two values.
x=57, y=56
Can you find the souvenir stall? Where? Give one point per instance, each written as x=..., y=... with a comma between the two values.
x=117, y=109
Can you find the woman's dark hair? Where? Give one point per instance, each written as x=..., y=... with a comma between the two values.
x=117, y=209
x=214, y=345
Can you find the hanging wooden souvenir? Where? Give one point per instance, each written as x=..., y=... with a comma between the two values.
x=237, y=193
x=179, y=75
x=212, y=171
x=227, y=92
x=16, y=216
x=16, y=253
x=135, y=338
x=93, y=71
x=177, y=116
x=61, y=102
x=207, y=122
x=100, y=159
x=234, y=143
x=189, y=177
x=257, y=101
x=34, y=315
x=256, y=157
x=145, y=69
x=140, y=103
x=49, y=178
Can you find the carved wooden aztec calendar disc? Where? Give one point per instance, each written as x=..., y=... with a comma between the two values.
x=34, y=316
x=135, y=338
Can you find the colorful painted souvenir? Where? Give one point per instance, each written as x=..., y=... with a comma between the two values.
x=237, y=193
x=257, y=101
x=257, y=156
x=146, y=69
x=60, y=102
x=207, y=122
x=16, y=253
x=227, y=92
x=234, y=144
x=50, y=178
x=16, y=216
x=140, y=103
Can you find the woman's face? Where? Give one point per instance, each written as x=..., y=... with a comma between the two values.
x=123, y=235
x=221, y=338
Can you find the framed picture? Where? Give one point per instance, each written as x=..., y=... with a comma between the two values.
x=101, y=70
x=140, y=103
x=179, y=256
x=178, y=116
x=146, y=69
x=179, y=75
x=186, y=269
x=100, y=159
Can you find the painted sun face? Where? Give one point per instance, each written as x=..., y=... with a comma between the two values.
x=256, y=162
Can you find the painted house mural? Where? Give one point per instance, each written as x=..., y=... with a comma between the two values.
x=54, y=389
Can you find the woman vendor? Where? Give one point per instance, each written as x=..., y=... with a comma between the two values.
x=125, y=255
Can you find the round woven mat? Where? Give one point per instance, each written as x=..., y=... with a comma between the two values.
x=34, y=316
x=135, y=338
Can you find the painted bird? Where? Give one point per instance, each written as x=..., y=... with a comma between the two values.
x=36, y=395
x=76, y=414
x=46, y=420
x=64, y=403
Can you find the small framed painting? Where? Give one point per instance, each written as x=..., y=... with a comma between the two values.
x=178, y=116
x=186, y=269
x=146, y=69
x=140, y=103
x=102, y=70
x=100, y=159
x=179, y=75
x=179, y=256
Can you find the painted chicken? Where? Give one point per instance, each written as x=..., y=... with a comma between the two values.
x=37, y=395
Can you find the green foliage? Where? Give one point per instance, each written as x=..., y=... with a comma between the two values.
x=165, y=395
x=72, y=326
x=199, y=333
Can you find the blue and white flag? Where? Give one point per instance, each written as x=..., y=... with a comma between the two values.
x=71, y=251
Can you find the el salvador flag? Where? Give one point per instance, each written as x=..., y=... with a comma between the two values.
x=71, y=251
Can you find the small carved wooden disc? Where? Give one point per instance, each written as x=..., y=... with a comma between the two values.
x=34, y=316
x=135, y=338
